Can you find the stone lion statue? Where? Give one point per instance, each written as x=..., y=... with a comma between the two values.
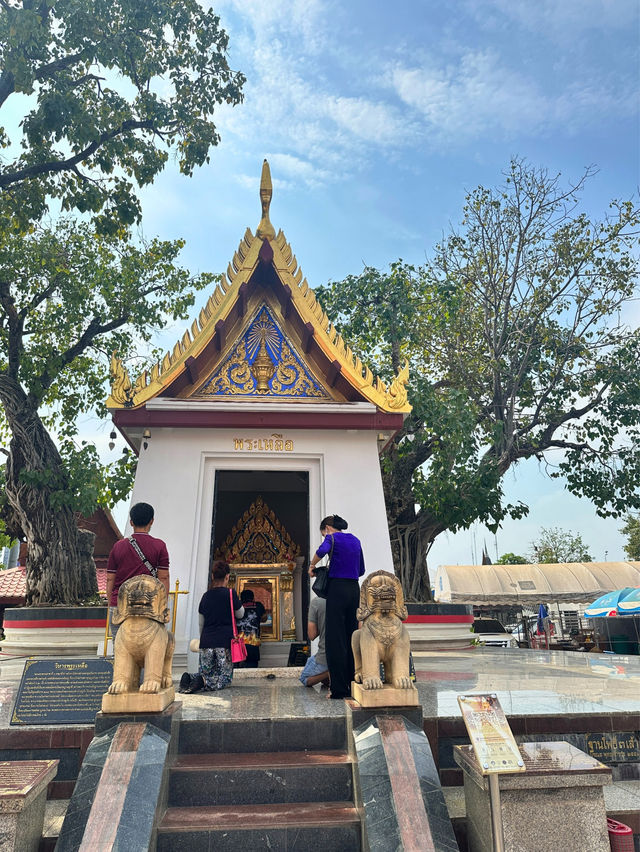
x=382, y=637
x=142, y=642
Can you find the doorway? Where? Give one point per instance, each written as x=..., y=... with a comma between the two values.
x=286, y=494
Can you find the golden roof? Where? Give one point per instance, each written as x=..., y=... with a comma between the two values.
x=150, y=384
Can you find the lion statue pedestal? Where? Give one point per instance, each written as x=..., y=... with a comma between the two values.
x=142, y=643
x=383, y=638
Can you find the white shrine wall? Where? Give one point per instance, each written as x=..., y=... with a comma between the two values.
x=177, y=472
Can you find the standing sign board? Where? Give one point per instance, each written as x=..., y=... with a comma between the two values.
x=495, y=748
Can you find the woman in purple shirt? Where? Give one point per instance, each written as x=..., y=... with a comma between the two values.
x=343, y=597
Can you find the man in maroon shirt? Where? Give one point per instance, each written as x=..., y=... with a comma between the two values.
x=124, y=560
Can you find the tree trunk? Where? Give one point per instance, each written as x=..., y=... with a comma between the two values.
x=410, y=546
x=55, y=573
x=411, y=535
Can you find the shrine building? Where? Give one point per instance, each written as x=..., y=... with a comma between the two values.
x=260, y=422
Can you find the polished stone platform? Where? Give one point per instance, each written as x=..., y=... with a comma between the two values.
x=546, y=695
x=527, y=682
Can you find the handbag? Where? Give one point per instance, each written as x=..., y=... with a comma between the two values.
x=238, y=648
x=320, y=586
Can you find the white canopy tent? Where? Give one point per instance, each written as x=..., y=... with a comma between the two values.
x=570, y=582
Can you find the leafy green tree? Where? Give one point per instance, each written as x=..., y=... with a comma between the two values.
x=631, y=529
x=511, y=559
x=96, y=96
x=557, y=545
x=68, y=298
x=112, y=86
x=517, y=349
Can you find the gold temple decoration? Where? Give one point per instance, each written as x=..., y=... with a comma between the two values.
x=263, y=369
x=258, y=537
x=128, y=394
x=265, y=231
x=284, y=374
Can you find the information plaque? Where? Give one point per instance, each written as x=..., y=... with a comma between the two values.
x=493, y=744
x=64, y=691
x=613, y=747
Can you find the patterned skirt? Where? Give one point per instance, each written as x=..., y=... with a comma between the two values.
x=216, y=667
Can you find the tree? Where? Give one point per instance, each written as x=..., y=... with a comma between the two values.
x=557, y=545
x=511, y=559
x=631, y=529
x=517, y=350
x=90, y=295
x=112, y=88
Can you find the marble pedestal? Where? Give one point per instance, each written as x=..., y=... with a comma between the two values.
x=23, y=796
x=138, y=702
x=557, y=803
x=388, y=696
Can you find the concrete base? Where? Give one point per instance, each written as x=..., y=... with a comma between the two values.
x=388, y=696
x=23, y=796
x=557, y=803
x=138, y=702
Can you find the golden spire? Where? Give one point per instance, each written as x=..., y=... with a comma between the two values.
x=265, y=231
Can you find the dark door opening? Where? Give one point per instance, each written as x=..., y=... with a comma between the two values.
x=286, y=493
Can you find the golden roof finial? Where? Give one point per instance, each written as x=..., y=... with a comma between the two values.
x=265, y=231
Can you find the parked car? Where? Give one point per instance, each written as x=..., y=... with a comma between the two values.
x=489, y=631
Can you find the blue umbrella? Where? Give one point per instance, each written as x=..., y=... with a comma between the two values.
x=630, y=604
x=608, y=604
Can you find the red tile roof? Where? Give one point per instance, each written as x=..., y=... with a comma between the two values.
x=13, y=585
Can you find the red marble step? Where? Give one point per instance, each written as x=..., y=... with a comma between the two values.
x=259, y=816
x=259, y=760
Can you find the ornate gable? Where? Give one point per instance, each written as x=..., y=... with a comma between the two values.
x=258, y=538
x=262, y=363
x=311, y=361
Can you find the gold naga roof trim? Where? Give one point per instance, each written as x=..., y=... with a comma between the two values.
x=151, y=383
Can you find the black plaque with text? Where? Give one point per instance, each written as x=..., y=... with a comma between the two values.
x=65, y=691
x=614, y=747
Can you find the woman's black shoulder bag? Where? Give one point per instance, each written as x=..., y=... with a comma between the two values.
x=321, y=583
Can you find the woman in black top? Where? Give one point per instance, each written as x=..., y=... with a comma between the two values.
x=215, y=670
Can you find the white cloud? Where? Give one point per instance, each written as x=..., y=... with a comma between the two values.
x=480, y=96
x=327, y=104
x=566, y=19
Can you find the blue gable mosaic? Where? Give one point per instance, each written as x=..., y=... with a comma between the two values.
x=263, y=363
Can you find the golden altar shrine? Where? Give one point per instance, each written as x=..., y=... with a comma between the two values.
x=264, y=558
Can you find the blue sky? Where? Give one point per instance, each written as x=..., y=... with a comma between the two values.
x=377, y=117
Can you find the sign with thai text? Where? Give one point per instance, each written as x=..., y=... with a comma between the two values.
x=274, y=443
x=612, y=747
x=493, y=744
x=61, y=691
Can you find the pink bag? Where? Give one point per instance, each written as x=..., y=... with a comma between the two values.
x=238, y=648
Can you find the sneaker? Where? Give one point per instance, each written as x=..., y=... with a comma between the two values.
x=185, y=682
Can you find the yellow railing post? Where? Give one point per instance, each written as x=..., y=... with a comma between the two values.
x=107, y=635
x=175, y=594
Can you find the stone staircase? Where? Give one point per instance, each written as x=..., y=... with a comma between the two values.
x=282, y=784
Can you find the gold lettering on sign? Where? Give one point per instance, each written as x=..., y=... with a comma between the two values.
x=275, y=443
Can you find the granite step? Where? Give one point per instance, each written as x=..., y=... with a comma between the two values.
x=295, y=827
x=209, y=736
x=260, y=778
